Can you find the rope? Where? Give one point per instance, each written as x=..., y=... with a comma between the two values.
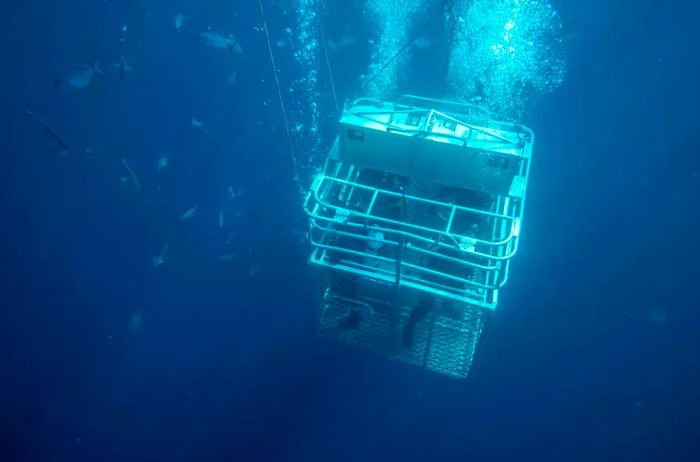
x=460, y=30
x=391, y=60
x=279, y=94
x=404, y=217
x=412, y=39
x=450, y=38
x=328, y=65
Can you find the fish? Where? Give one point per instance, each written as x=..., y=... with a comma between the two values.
x=657, y=315
x=226, y=257
x=231, y=79
x=179, y=21
x=81, y=77
x=221, y=219
x=219, y=42
x=132, y=178
x=162, y=163
x=160, y=258
x=422, y=43
x=53, y=134
x=189, y=213
x=284, y=5
x=347, y=41
x=135, y=321
x=122, y=67
x=196, y=123
x=235, y=193
x=300, y=236
x=569, y=37
x=343, y=42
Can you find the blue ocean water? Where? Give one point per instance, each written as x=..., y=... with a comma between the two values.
x=593, y=354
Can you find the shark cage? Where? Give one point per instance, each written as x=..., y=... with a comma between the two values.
x=413, y=222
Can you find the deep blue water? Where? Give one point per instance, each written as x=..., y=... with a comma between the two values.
x=594, y=353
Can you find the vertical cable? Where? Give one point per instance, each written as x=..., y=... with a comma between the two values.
x=328, y=65
x=279, y=94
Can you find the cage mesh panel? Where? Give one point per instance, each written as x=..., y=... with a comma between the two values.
x=444, y=340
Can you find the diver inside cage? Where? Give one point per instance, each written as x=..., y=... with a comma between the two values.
x=476, y=222
x=362, y=245
x=374, y=244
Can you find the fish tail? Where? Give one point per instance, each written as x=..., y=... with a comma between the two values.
x=96, y=66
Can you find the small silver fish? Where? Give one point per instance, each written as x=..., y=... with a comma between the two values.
x=162, y=163
x=132, y=178
x=53, y=134
x=422, y=43
x=122, y=67
x=160, y=258
x=345, y=41
x=179, y=21
x=81, y=77
x=189, y=213
x=235, y=193
x=231, y=79
x=135, y=321
x=219, y=42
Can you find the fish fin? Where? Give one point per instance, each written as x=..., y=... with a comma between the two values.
x=235, y=49
x=96, y=66
x=126, y=66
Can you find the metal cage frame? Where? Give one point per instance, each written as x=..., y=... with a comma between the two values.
x=419, y=207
